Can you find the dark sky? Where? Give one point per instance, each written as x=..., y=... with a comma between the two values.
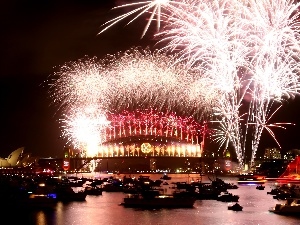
x=36, y=38
x=39, y=36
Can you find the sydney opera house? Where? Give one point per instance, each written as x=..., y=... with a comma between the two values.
x=17, y=159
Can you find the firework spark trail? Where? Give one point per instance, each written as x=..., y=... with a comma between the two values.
x=80, y=83
x=160, y=10
x=84, y=128
x=262, y=123
x=151, y=78
x=134, y=79
x=228, y=112
x=207, y=40
x=207, y=30
x=275, y=25
x=274, y=80
x=274, y=62
x=230, y=49
x=201, y=38
x=207, y=45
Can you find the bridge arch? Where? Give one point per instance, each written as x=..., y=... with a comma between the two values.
x=150, y=133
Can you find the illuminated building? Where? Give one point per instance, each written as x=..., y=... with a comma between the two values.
x=13, y=158
x=272, y=153
x=292, y=154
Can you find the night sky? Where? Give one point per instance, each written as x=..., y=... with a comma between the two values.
x=39, y=36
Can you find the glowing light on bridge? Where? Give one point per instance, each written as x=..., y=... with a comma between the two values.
x=157, y=149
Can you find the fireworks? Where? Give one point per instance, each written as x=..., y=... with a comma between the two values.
x=90, y=89
x=85, y=129
x=274, y=63
x=230, y=60
x=149, y=122
x=263, y=123
x=250, y=51
x=158, y=9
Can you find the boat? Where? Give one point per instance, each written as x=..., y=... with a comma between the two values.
x=231, y=186
x=251, y=179
x=228, y=197
x=39, y=201
x=41, y=197
x=274, y=191
x=150, y=197
x=112, y=187
x=283, y=195
x=158, y=201
x=93, y=190
x=235, y=207
x=208, y=191
x=292, y=173
x=290, y=207
x=165, y=177
x=65, y=193
x=260, y=187
x=77, y=183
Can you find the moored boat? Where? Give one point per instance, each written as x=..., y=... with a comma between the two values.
x=150, y=197
x=66, y=193
x=93, y=190
x=39, y=201
x=235, y=207
x=165, y=177
x=41, y=197
x=159, y=201
x=251, y=179
x=260, y=187
x=228, y=197
x=290, y=207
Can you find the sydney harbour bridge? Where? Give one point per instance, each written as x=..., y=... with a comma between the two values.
x=144, y=134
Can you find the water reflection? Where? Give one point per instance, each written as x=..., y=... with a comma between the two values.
x=41, y=218
x=105, y=209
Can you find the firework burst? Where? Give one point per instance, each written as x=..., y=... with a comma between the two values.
x=263, y=123
x=226, y=56
x=158, y=10
x=89, y=89
x=85, y=128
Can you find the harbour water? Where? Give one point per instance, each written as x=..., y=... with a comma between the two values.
x=106, y=209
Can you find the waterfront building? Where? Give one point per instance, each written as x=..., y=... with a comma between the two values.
x=19, y=159
x=272, y=153
x=291, y=154
x=12, y=159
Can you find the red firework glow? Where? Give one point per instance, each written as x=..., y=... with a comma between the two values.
x=150, y=133
x=151, y=123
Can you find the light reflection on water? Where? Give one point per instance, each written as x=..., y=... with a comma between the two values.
x=106, y=210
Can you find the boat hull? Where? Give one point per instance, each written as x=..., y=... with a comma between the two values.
x=286, y=212
x=251, y=179
x=291, y=207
